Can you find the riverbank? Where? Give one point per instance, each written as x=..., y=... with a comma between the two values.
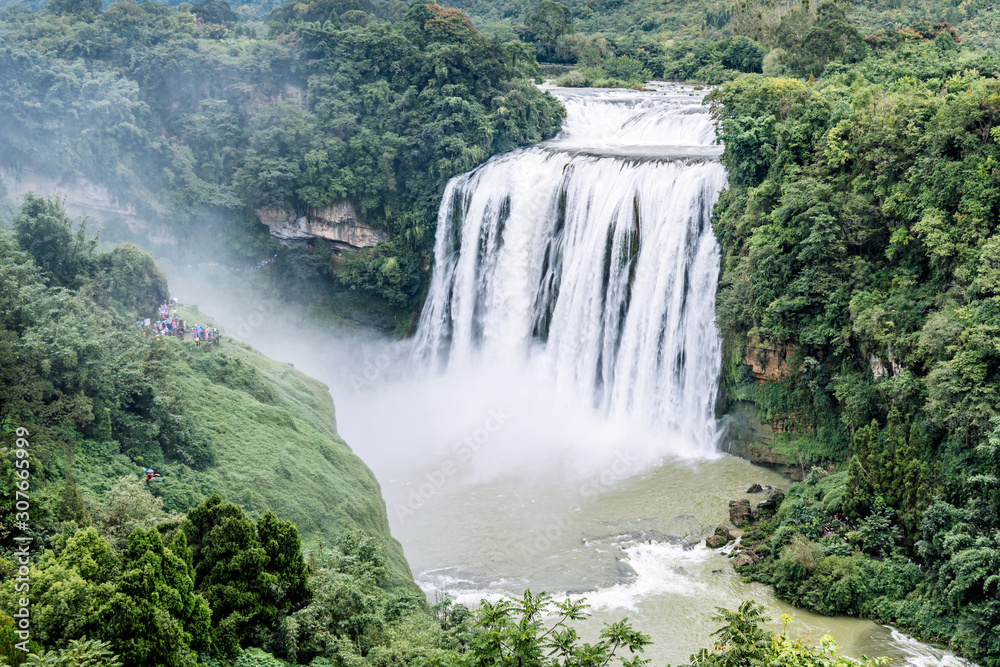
x=819, y=558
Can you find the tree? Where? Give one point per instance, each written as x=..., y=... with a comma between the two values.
x=515, y=631
x=744, y=55
x=743, y=643
x=154, y=618
x=256, y=658
x=381, y=272
x=72, y=507
x=449, y=25
x=67, y=582
x=286, y=573
x=229, y=567
x=251, y=576
x=544, y=26
x=44, y=230
x=130, y=277
x=127, y=507
x=350, y=616
x=215, y=12
x=82, y=8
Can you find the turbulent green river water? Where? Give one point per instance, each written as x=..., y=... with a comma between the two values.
x=633, y=547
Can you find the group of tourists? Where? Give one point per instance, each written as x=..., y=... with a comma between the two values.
x=168, y=324
x=200, y=333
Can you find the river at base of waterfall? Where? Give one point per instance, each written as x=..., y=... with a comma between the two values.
x=632, y=547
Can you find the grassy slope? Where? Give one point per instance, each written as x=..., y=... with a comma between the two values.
x=273, y=430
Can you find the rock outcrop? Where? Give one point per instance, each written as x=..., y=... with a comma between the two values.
x=721, y=538
x=337, y=223
x=772, y=502
x=740, y=512
x=744, y=558
x=82, y=197
x=755, y=488
x=767, y=360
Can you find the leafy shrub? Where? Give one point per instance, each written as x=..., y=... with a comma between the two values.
x=744, y=55
x=79, y=653
x=384, y=272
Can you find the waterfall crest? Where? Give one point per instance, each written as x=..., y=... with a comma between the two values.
x=592, y=256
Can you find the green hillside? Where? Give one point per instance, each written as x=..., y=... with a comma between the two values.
x=275, y=447
x=102, y=400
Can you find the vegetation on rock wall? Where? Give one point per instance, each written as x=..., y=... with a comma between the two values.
x=859, y=233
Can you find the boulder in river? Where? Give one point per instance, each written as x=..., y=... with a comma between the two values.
x=771, y=503
x=744, y=558
x=756, y=488
x=723, y=531
x=715, y=541
x=739, y=512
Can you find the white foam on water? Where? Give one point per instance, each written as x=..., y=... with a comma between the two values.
x=461, y=590
x=660, y=568
x=923, y=655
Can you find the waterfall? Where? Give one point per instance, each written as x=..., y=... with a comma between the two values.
x=592, y=255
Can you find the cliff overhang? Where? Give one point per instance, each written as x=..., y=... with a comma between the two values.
x=338, y=223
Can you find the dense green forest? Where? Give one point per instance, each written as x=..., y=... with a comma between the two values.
x=198, y=119
x=625, y=42
x=860, y=263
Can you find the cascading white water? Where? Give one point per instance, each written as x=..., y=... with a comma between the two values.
x=592, y=255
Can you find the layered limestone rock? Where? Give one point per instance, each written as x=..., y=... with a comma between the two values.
x=82, y=197
x=337, y=223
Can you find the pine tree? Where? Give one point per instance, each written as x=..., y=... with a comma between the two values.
x=154, y=618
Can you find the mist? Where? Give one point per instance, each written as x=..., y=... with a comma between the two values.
x=483, y=420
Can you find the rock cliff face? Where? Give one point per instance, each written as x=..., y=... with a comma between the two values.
x=86, y=198
x=337, y=223
x=767, y=360
x=749, y=436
